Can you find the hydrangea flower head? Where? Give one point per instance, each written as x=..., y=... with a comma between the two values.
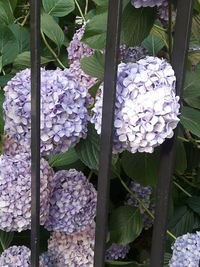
x=16, y=256
x=11, y=147
x=85, y=80
x=45, y=260
x=133, y=54
x=63, y=110
x=20, y=256
x=145, y=3
x=15, y=192
x=72, y=250
x=115, y=252
x=186, y=251
x=144, y=194
x=73, y=203
x=146, y=108
x=77, y=49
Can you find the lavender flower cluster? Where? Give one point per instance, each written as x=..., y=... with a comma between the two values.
x=77, y=49
x=163, y=11
x=73, y=203
x=16, y=256
x=143, y=193
x=15, y=192
x=145, y=3
x=115, y=252
x=63, y=110
x=72, y=250
x=20, y=256
x=146, y=108
x=186, y=251
x=11, y=147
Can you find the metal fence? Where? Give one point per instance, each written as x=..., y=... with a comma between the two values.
x=178, y=61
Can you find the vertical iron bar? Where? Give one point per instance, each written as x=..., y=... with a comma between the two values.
x=110, y=76
x=179, y=56
x=35, y=131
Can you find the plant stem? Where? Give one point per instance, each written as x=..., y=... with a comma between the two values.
x=186, y=181
x=183, y=139
x=80, y=11
x=170, y=27
x=142, y=204
x=86, y=6
x=51, y=50
x=90, y=175
x=25, y=19
x=182, y=189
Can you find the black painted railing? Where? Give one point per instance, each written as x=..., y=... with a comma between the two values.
x=180, y=48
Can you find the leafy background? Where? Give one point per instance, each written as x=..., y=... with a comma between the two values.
x=59, y=21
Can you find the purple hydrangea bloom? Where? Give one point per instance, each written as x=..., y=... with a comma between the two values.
x=146, y=108
x=73, y=203
x=72, y=250
x=115, y=252
x=19, y=256
x=45, y=260
x=11, y=147
x=85, y=80
x=133, y=54
x=163, y=11
x=186, y=251
x=16, y=256
x=144, y=194
x=63, y=110
x=15, y=192
x=77, y=49
x=145, y=3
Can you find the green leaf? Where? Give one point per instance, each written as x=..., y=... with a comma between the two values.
x=193, y=203
x=181, y=159
x=102, y=5
x=22, y=36
x=123, y=263
x=63, y=159
x=5, y=239
x=190, y=119
x=191, y=92
x=23, y=60
x=58, y=8
x=8, y=46
x=136, y=24
x=51, y=29
x=93, y=90
x=191, y=87
x=125, y=224
x=4, y=79
x=182, y=222
x=193, y=102
x=160, y=32
x=196, y=26
x=95, y=32
x=167, y=258
x=142, y=167
x=11, y=4
x=94, y=65
x=194, y=57
x=6, y=13
x=88, y=149
x=153, y=44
